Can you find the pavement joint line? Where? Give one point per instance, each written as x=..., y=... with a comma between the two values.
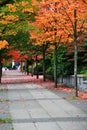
x=55, y=119
x=34, y=99
x=22, y=89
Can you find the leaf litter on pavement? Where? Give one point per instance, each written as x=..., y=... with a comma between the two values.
x=47, y=84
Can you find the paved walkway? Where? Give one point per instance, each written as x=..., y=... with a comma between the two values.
x=32, y=107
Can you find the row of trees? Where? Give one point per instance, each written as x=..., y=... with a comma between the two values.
x=35, y=28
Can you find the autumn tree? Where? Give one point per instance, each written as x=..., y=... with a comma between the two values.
x=74, y=14
x=14, y=19
x=5, y=21
x=66, y=21
x=25, y=10
x=47, y=20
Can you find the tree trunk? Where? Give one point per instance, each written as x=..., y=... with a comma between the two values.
x=75, y=54
x=44, y=74
x=21, y=67
x=55, y=65
x=0, y=67
x=26, y=67
x=37, y=73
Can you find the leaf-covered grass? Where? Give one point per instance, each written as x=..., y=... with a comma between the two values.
x=72, y=98
x=4, y=100
x=6, y=120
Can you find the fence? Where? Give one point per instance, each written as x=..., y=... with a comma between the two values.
x=69, y=80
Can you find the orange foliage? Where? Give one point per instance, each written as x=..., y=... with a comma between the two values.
x=8, y=19
x=3, y=22
x=16, y=55
x=23, y=3
x=28, y=10
x=3, y=44
x=11, y=18
x=24, y=6
x=11, y=8
x=55, y=21
x=39, y=57
x=47, y=22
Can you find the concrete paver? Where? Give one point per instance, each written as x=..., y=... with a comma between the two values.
x=4, y=110
x=7, y=126
x=71, y=125
x=19, y=114
x=48, y=126
x=24, y=126
x=38, y=113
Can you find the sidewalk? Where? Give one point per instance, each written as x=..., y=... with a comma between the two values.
x=33, y=107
